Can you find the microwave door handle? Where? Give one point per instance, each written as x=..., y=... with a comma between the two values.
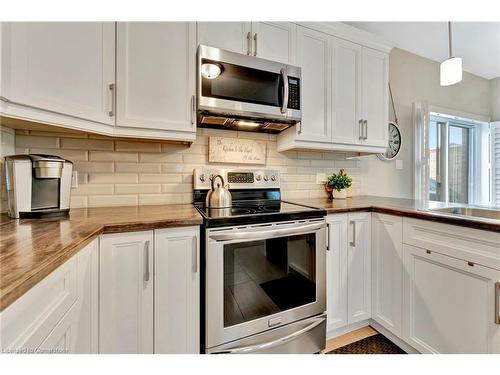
x=271, y=233
x=284, y=76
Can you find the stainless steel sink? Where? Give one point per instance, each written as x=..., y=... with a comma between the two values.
x=483, y=213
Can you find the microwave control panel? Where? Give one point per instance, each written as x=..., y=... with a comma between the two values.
x=293, y=93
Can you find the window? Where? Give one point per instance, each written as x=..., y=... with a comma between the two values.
x=458, y=160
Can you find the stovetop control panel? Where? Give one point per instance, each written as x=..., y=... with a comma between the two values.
x=238, y=178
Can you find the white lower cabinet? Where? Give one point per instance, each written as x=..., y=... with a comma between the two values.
x=449, y=304
x=126, y=293
x=177, y=291
x=387, y=268
x=149, y=291
x=349, y=269
x=59, y=314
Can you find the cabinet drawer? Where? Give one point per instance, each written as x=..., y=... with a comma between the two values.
x=473, y=245
x=27, y=322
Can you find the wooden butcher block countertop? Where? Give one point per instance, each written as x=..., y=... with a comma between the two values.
x=30, y=249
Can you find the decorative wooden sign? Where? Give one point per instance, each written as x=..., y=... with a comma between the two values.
x=236, y=150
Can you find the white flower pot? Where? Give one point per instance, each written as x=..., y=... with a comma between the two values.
x=342, y=194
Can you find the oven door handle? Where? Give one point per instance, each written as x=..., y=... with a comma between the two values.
x=258, y=235
x=284, y=77
x=271, y=344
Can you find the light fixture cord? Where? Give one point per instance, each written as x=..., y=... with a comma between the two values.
x=449, y=40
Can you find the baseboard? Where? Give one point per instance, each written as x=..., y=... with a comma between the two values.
x=396, y=340
x=349, y=328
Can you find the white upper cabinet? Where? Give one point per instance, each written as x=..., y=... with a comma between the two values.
x=274, y=41
x=375, y=97
x=231, y=36
x=387, y=269
x=344, y=95
x=346, y=104
x=58, y=67
x=156, y=77
x=313, y=56
x=126, y=293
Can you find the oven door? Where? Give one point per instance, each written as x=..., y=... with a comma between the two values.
x=248, y=86
x=262, y=277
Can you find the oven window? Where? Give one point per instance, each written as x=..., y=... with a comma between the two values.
x=243, y=84
x=265, y=277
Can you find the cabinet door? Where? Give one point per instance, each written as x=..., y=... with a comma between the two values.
x=88, y=300
x=313, y=56
x=448, y=305
x=156, y=75
x=359, y=267
x=232, y=36
x=274, y=41
x=177, y=291
x=126, y=293
x=387, y=266
x=63, y=67
x=346, y=105
x=336, y=272
x=375, y=97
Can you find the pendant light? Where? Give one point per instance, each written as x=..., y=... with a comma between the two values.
x=450, y=69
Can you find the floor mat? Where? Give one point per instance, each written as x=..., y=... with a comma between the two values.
x=376, y=344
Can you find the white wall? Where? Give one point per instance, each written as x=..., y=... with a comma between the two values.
x=415, y=78
x=495, y=99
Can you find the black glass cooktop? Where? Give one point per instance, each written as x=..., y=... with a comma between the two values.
x=250, y=212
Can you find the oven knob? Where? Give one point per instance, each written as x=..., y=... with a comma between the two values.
x=258, y=177
x=202, y=177
x=266, y=178
x=273, y=178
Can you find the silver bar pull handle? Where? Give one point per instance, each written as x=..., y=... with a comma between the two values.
x=360, y=125
x=249, y=43
x=255, y=44
x=112, y=88
x=284, y=76
x=327, y=236
x=353, y=242
x=193, y=109
x=366, y=129
x=195, y=254
x=146, y=261
x=497, y=303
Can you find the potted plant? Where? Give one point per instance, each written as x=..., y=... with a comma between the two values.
x=336, y=185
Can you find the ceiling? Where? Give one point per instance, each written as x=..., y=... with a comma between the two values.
x=478, y=43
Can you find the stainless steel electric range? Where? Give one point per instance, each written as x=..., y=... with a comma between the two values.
x=264, y=274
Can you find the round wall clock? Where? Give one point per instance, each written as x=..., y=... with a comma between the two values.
x=394, y=143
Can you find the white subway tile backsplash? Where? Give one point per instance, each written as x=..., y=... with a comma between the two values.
x=113, y=156
x=35, y=141
x=136, y=167
x=137, y=146
x=85, y=144
x=112, y=200
x=116, y=172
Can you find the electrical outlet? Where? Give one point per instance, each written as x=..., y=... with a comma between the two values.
x=399, y=164
x=74, y=179
x=320, y=178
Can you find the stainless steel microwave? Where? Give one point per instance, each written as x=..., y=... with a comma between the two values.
x=237, y=91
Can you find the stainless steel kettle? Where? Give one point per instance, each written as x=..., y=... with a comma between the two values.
x=219, y=196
